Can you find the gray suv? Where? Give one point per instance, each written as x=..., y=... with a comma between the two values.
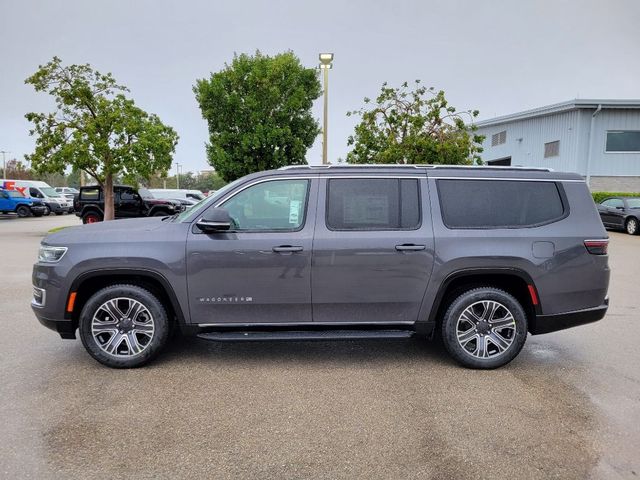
x=479, y=255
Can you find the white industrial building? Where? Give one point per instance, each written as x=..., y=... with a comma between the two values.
x=599, y=139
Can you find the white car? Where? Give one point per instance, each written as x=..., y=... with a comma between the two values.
x=176, y=193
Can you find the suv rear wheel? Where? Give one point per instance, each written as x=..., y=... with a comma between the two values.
x=124, y=326
x=484, y=328
x=91, y=217
x=632, y=226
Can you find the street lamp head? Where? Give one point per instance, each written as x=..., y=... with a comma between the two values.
x=326, y=59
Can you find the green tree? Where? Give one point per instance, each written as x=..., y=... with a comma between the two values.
x=95, y=128
x=259, y=113
x=414, y=126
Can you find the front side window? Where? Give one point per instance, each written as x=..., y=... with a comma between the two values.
x=373, y=204
x=499, y=203
x=623, y=141
x=276, y=205
x=128, y=195
x=613, y=203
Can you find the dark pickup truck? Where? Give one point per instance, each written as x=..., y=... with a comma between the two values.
x=128, y=203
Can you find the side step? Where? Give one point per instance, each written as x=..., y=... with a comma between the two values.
x=302, y=335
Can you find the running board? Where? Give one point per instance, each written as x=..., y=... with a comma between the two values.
x=301, y=335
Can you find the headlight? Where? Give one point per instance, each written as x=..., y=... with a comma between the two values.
x=51, y=254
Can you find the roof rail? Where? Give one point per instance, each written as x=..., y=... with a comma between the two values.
x=401, y=165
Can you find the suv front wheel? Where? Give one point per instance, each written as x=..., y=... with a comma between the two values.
x=124, y=326
x=484, y=328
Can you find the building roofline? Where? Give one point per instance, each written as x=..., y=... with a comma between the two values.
x=570, y=105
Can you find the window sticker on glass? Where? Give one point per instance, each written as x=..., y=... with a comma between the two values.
x=369, y=209
x=294, y=211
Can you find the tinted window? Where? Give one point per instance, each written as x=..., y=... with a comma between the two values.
x=613, y=203
x=128, y=195
x=273, y=205
x=624, y=141
x=498, y=203
x=373, y=204
x=90, y=194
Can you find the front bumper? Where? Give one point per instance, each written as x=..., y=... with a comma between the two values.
x=559, y=321
x=57, y=208
x=37, y=209
x=66, y=328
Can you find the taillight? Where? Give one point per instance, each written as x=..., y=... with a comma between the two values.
x=597, y=247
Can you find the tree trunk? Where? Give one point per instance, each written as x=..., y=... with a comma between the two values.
x=108, y=197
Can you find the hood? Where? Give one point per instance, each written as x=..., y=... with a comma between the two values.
x=132, y=229
x=161, y=201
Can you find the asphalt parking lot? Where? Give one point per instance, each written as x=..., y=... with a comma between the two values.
x=568, y=407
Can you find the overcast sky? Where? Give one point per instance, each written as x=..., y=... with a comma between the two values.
x=497, y=56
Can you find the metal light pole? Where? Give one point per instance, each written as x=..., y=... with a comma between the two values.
x=4, y=162
x=177, y=176
x=325, y=66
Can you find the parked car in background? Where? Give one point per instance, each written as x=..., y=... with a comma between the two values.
x=621, y=213
x=196, y=195
x=12, y=201
x=353, y=252
x=68, y=192
x=128, y=203
x=52, y=200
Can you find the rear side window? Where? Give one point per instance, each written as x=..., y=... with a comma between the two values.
x=373, y=204
x=499, y=203
x=90, y=194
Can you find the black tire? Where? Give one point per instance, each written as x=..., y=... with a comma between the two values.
x=631, y=226
x=23, y=211
x=159, y=319
x=47, y=211
x=516, y=333
x=160, y=214
x=91, y=217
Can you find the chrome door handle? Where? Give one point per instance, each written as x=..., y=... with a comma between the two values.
x=410, y=247
x=287, y=249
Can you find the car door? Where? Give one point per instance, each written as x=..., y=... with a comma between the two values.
x=612, y=212
x=260, y=272
x=128, y=203
x=5, y=202
x=373, y=249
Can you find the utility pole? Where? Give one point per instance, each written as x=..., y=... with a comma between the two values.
x=177, y=176
x=325, y=66
x=4, y=162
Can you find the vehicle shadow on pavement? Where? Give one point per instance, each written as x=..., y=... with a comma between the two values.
x=299, y=352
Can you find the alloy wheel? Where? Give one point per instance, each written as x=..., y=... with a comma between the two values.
x=486, y=329
x=632, y=226
x=122, y=327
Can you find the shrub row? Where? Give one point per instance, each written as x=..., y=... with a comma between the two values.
x=600, y=196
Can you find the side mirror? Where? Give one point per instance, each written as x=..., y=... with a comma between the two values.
x=214, y=220
x=620, y=208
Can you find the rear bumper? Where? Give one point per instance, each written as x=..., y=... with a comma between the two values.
x=559, y=321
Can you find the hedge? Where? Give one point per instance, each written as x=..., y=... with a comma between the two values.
x=600, y=196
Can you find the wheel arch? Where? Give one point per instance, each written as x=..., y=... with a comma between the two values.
x=514, y=281
x=91, y=208
x=158, y=208
x=90, y=282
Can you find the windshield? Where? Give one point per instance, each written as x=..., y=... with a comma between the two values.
x=14, y=194
x=633, y=202
x=198, y=207
x=49, y=192
x=144, y=193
